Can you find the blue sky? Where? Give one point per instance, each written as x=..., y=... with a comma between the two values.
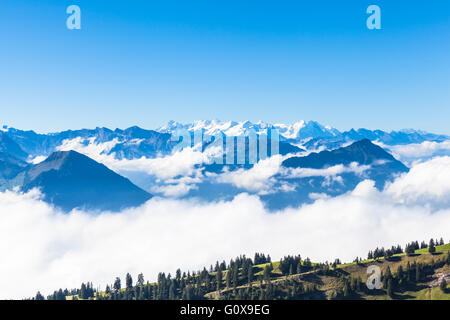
x=147, y=62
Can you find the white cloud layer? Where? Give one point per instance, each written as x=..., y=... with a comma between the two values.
x=426, y=184
x=414, y=152
x=179, y=163
x=328, y=172
x=43, y=249
x=259, y=178
x=142, y=171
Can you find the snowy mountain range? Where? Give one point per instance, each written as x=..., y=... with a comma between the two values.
x=308, y=135
x=297, y=131
x=135, y=142
x=104, y=169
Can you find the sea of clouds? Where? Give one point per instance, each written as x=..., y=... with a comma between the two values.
x=176, y=174
x=44, y=249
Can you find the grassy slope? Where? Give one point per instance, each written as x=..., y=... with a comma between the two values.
x=327, y=284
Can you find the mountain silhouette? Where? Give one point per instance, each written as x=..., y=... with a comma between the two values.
x=362, y=152
x=7, y=145
x=71, y=180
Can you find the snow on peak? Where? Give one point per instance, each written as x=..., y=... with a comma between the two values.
x=298, y=130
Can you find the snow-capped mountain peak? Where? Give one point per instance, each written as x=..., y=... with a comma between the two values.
x=296, y=131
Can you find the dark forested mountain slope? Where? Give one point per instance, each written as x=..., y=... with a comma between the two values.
x=71, y=180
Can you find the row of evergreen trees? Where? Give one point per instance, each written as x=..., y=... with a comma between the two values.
x=183, y=286
x=413, y=274
x=410, y=248
x=224, y=280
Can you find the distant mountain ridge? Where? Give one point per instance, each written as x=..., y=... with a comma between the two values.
x=8, y=145
x=302, y=178
x=132, y=142
x=135, y=142
x=71, y=180
x=362, y=152
x=303, y=130
x=382, y=165
x=10, y=168
x=297, y=131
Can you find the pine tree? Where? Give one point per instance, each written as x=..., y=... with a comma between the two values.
x=299, y=267
x=409, y=249
x=418, y=273
x=39, y=296
x=235, y=276
x=431, y=247
x=346, y=289
x=128, y=281
x=83, y=291
x=387, y=276
x=408, y=272
x=117, y=286
x=140, y=281
x=443, y=285
x=172, y=291
x=207, y=282
x=219, y=277
x=390, y=292
x=228, y=279
x=108, y=289
x=267, y=274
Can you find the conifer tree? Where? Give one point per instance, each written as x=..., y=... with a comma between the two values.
x=250, y=275
x=117, y=285
x=387, y=276
x=235, y=276
x=443, y=285
x=267, y=274
x=228, y=279
x=431, y=247
x=219, y=277
x=39, y=296
x=418, y=273
x=128, y=281
x=140, y=281
x=83, y=291
x=390, y=292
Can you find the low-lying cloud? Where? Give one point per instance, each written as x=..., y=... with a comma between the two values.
x=411, y=153
x=179, y=163
x=426, y=184
x=44, y=249
x=259, y=178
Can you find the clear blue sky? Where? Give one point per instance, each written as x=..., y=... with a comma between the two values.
x=147, y=62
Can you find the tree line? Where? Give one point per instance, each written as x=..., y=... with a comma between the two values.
x=247, y=278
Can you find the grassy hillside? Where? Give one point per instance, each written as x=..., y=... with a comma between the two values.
x=327, y=284
x=413, y=276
